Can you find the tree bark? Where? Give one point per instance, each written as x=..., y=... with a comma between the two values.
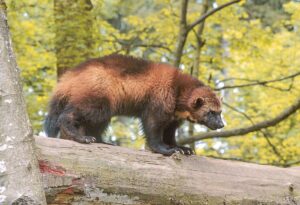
x=76, y=173
x=182, y=33
x=20, y=181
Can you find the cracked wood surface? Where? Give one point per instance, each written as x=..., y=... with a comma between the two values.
x=76, y=173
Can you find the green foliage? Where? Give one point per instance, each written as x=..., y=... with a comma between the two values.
x=74, y=40
x=242, y=43
x=262, y=53
x=31, y=26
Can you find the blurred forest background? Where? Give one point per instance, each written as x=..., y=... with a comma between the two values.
x=249, y=52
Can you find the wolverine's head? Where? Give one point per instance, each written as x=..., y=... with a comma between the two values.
x=204, y=107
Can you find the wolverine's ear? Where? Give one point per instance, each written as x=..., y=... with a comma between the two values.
x=198, y=102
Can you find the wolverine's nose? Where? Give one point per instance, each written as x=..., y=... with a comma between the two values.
x=220, y=124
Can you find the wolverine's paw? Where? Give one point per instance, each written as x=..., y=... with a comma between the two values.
x=85, y=139
x=162, y=149
x=178, y=150
x=173, y=150
x=89, y=139
x=183, y=150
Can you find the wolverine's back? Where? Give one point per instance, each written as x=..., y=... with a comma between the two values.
x=128, y=83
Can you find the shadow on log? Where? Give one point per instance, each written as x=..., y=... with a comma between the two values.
x=75, y=173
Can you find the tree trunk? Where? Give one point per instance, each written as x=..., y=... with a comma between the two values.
x=76, y=173
x=20, y=180
x=74, y=41
x=182, y=33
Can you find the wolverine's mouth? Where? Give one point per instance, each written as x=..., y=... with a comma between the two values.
x=207, y=125
x=213, y=127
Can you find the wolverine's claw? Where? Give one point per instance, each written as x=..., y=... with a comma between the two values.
x=186, y=150
x=178, y=150
x=89, y=139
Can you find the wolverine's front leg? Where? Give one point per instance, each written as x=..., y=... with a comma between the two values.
x=169, y=137
x=154, y=126
x=70, y=127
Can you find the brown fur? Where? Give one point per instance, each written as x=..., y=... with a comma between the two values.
x=88, y=95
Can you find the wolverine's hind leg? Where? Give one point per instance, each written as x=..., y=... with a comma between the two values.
x=92, y=113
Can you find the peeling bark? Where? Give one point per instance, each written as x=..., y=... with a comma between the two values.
x=76, y=173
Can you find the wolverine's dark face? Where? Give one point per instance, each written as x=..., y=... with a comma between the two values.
x=206, y=108
x=213, y=120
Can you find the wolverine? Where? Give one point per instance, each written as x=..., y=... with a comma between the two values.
x=89, y=95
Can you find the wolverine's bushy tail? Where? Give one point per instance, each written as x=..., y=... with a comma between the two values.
x=56, y=107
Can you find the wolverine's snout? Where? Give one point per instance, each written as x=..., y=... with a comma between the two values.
x=220, y=125
x=214, y=121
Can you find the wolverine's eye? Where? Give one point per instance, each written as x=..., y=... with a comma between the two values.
x=212, y=112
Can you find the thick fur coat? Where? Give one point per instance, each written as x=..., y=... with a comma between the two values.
x=88, y=95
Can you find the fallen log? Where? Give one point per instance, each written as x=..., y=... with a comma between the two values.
x=76, y=173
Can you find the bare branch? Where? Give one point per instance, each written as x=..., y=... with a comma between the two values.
x=200, y=42
x=289, y=164
x=257, y=82
x=240, y=112
x=242, y=131
x=208, y=14
x=265, y=134
x=184, y=6
x=182, y=33
x=82, y=175
x=185, y=28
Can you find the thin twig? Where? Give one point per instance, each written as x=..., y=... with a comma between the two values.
x=256, y=82
x=291, y=163
x=264, y=133
x=184, y=28
x=208, y=14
